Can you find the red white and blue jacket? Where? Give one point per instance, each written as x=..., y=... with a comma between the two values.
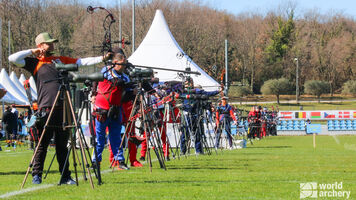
x=109, y=91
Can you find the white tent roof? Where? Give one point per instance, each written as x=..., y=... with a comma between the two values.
x=22, y=78
x=17, y=83
x=160, y=49
x=33, y=93
x=33, y=84
x=11, y=88
x=20, y=85
x=8, y=98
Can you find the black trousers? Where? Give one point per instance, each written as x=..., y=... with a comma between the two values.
x=61, y=141
x=8, y=131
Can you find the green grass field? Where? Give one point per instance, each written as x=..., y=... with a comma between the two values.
x=272, y=168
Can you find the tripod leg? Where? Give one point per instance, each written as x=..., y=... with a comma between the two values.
x=177, y=137
x=39, y=142
x=188, y=132
x=66, y=121
x=209, y=133
x=156, y=138
x=81, y=163
x=80, y=141
x=74, y=156
x=159, y=147
x=145, y=128
x=91, y=128
x=203, y=138
x=86, y=105
x=77, y=134
x=211, y=129
x=174, y=121
x=50, y=165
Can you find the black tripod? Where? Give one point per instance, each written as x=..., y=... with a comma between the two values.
x=199, y=127
x=145, y=114
x=86, y=106
x=210, y=129
x=224, y=126
x=68, y=119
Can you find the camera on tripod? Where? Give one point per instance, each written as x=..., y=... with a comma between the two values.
x=66, y=67
x=82, y=78
x=76, y=77
x=141, y=74
x=194, y=96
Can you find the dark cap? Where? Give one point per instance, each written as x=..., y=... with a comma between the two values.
x=118, y=50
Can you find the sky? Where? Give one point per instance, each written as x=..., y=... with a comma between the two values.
x=346, y=7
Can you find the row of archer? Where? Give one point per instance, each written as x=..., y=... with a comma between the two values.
x=262, y=122
x=115, y=101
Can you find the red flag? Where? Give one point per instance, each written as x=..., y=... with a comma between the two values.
x=286, y=115
x=344, y=114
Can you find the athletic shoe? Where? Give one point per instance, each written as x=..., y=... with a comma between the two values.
x=142, y=158
x=122, y=166
x=68, y=181
x=136, y=164
x=36, y=179
x=167, y=158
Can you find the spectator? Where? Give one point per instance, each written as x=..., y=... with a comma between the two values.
x=20, y=124
x=16, y=113
x=306, y=125
x=10, y=123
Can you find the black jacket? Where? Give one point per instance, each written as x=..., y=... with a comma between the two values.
x=9, y=120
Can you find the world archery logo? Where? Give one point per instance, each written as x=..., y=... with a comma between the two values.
x=308, y=190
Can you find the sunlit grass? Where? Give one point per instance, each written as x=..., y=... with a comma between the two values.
x=272, y=168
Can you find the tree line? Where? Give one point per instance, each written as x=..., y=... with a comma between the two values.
x=262, y=47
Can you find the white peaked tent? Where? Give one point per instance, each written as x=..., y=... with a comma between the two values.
x=17, y=83
x=33, y=93
x=33, y=84
x=22, y=78
x=8, y=98
x=20, y=85
x=11, y=88
x=160, y=49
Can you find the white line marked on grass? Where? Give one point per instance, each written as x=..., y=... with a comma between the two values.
x=336, y=139
x=18, y=192
x=23, y=191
